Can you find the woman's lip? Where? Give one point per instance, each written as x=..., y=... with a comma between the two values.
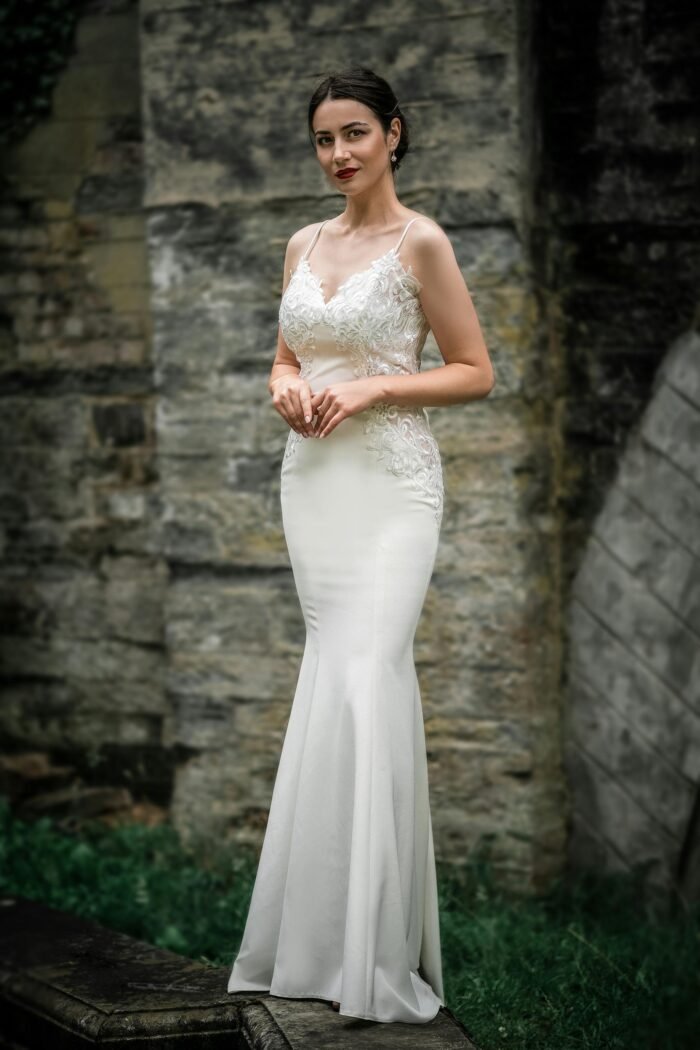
x=346, y=173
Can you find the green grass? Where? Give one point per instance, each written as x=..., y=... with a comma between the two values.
x=583, y=967
x=135, y=879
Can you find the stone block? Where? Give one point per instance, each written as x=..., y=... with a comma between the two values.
x=115, y=263
x=652, y=630
x=67, y=981
x=603, y=658
x=680, y=367
x=59, y=422
x=630, y=757
x=232, y=676
x=59, y=657
x=457, y=688
x=82, y=93
x=649, y=478
x=119, y=424
x=53, y=147
x=260, y=616
x=671, y=425
x=214, y=526
x=627, y=830
x=650, y=553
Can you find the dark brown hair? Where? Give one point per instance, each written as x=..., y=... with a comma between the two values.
x=373, y=91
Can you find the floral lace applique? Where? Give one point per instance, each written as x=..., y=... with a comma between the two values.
x=293, y=437
x=378, y=322
x=402, y=437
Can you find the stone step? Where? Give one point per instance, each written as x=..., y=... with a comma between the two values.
x=67, y=982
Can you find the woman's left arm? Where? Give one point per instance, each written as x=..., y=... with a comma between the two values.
x=467, y=373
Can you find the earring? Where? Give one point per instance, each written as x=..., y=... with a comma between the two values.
x=393, y=156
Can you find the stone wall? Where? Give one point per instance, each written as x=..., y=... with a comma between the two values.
x=617, y=218
x=633, y=711
x=82, y=577
x=219, y=119
x=617, y=251
x=151, y=631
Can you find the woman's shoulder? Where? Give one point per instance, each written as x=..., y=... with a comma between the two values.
x=426, y=244
x=297, y=245
x=301, y=237
x=426, y=232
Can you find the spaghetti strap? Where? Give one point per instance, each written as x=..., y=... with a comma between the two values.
x=314, y=239
x=405, y=230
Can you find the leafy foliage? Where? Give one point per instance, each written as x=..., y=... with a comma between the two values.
x=36, y=39
x=135, y=879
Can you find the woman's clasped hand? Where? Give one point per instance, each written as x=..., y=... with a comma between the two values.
x=316, y=415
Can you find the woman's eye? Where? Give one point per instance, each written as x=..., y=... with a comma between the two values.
x=324, y=138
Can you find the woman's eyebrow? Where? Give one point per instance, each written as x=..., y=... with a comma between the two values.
x=350, y=125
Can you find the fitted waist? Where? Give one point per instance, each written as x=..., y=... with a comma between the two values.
x=325, y=369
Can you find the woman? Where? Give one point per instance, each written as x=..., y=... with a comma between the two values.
x=345, y=903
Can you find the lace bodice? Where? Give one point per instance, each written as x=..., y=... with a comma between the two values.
x=376, y=324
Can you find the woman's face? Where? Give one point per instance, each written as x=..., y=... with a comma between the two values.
x=348, y=135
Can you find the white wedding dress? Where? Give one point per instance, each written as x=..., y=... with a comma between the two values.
x=345, y=902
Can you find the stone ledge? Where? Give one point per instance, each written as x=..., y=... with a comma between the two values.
x=67, y=982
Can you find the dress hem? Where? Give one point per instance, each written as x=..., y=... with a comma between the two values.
x=329, y=999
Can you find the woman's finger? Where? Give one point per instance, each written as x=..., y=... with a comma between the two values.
x=302, y=398
x=293, y=403
x=287, y=408
x=306, y=404
x=295, y=407
x=330, y=421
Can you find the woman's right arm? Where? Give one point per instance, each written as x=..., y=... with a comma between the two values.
x=291, y=396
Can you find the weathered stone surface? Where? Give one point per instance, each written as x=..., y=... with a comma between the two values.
x=306, y=1027
x=673, y=504
x=150, y=623
x=617, y=249
x=278, y=52
x=679, y=368
x=619, y=256
x=220, y=213
x=81, y=588
x=122, y=602
x=633, y=703
x=602, y=659
x=620, y=745
x=621, y=827
x=68, y=982
x=654, y=632
x=673, y=428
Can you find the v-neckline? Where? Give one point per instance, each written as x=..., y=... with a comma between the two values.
x=352, y=276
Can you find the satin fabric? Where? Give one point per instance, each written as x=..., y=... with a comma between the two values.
x=345, y=902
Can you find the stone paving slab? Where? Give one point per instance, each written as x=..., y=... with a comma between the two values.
x=311, y=1024
x=67, y=983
